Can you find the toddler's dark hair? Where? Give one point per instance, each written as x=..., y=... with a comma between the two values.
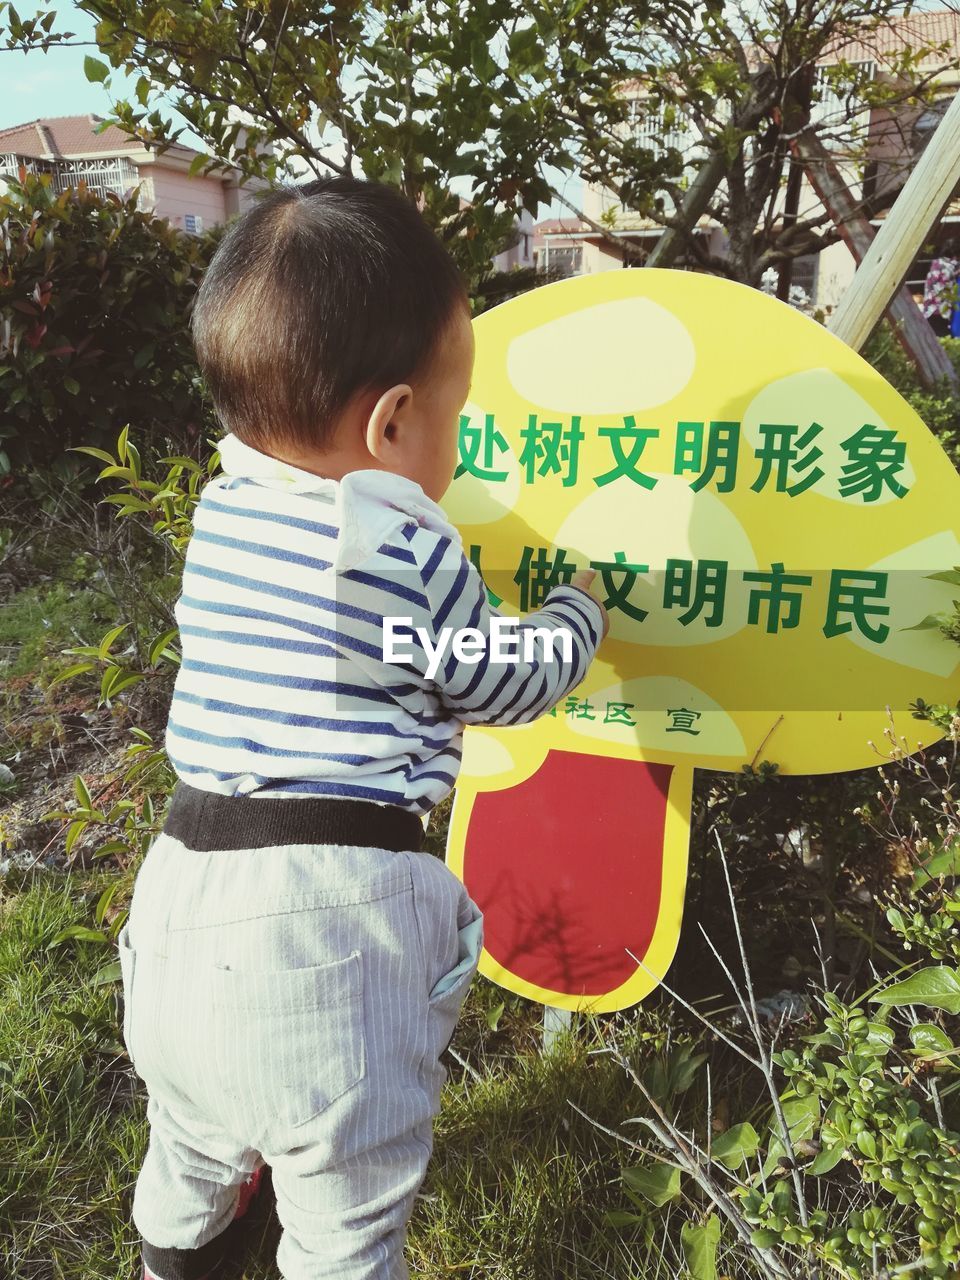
x=316, y=293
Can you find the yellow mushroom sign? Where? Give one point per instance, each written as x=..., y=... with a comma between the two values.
x=765, y=514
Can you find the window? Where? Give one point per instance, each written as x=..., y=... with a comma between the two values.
x=113, y=175
x=927, y=123
x=193, y=223
x=805, y=274
x=660, y=126
x=563, y=262
x=834, y=104
x=10, y=165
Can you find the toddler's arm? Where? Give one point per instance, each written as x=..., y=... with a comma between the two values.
x=522, y=689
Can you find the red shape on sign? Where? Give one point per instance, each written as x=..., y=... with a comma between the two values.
x=567, y=867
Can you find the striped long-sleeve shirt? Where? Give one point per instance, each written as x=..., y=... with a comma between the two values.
x=284, y=688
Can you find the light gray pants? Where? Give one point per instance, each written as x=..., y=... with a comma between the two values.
x=289, y=1005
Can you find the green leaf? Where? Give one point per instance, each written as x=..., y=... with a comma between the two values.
x=126, y=503
x=765, y=1239
x=880, y=1039
x=943, y=865
x=104, y=901
x=107, y=642
x=523, y=45
x=95, y=70
x=111, y=847
x=81, y=792
x=77, y=933
x=133, y=453
x=81, y=1021
x=683, y=1072
x=74, y=832
x=495, y=1014
x=623, y=1218
x=736, y=1145
x=948, y=575
x=482, y=62
x=658, y=1183
x=78, y=669
x=700, y=1247
x=118, y=685
x=930, y=1039
x=109, y=973
x=929, y=623
x=828, y=1159
x=178, y=460
x=802, y=1116
x=159, y=649
x=94, y=453
x=937, y=988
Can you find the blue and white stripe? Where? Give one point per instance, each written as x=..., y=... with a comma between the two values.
x=283, y=688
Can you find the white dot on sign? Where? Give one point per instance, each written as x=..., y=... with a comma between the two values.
x=616, y=357
x=482, y=498
x=483, y=755
x=650, y=527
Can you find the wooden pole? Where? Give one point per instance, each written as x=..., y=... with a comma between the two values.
x=921, y=202
x=669, y=245
x=709, y=176
x=555, y=1022
x=912, y=330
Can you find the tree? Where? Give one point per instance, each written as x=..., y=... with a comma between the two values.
x=503, y=94
x=745, y=83
x=419, y=95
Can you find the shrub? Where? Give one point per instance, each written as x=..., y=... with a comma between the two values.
x=95, y=296
x=939, y=407
x=851, y=1169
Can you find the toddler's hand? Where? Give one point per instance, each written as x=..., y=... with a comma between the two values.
x=583, y=579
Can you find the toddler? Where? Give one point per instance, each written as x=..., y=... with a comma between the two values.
x=293, y=963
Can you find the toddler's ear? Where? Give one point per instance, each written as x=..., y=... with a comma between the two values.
x=385, y=421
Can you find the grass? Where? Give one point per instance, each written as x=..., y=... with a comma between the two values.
x=41, y=619
x=518, y=1185
x=71, y=1117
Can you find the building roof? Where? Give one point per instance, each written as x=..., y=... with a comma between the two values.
x=559, y=226
x=890, y=36
x=65, y=136
x=879, y=40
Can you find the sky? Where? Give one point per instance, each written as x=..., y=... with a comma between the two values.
x=40, y=84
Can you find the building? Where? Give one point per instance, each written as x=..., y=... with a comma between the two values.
x=878, y=165
x=520, y=254
x=558, y=246
x=70, y=148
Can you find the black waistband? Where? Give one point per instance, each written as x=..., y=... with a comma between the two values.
x=206, y=822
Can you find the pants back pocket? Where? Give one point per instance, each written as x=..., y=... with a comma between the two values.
x=288, y=1043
